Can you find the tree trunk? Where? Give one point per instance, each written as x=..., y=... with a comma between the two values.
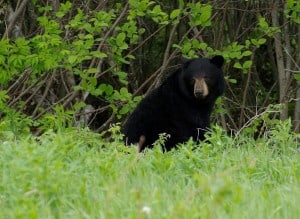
x=297, y=107
x=283, y=76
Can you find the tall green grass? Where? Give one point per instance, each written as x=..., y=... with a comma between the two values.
x=77, y=174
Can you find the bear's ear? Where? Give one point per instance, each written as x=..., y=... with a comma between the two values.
x=217, y=61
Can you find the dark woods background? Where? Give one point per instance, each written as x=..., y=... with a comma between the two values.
x=87, y=63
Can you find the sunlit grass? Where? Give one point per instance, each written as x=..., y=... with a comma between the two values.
x=76, y=174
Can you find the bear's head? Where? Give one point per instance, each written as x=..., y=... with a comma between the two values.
x=203, y=78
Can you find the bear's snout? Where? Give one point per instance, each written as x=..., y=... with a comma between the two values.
x=200, y=88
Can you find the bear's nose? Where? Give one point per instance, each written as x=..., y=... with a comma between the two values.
x=198, y=93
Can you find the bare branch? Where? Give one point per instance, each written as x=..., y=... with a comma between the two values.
x=14, y=19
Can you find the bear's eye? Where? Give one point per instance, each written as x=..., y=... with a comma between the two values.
x=192, y=81
x=206, y=78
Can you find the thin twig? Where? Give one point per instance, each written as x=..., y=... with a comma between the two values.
x=22, y=78
x=52, y=106
x=250, y=121
x=14, y=19
x=23, y=93
x=104, y=125
x=245, y=93
x=49, y=83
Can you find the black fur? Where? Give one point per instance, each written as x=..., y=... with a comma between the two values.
x=174, y=109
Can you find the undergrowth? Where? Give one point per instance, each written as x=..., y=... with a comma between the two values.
x=75, y=173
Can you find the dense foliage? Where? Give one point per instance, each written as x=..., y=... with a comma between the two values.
x=70, y=66
x=87, y=63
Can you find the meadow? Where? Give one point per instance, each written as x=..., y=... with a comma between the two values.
x=75, y=173
x=89, y=63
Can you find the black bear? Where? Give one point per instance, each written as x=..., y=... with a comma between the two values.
x=180, y=106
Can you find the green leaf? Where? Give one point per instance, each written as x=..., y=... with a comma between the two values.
x=247, y=53
x=297, y=76
x=237, y=65
x=129, y=56
x=120, y=39
x=254, y=42
x=2, y=60
x=93, y=81
x=156, y=10
x=63, y=9
x=247, y=64
x=60, y=14
x=205, y=15
x=125, y=109
x=232, y=81
x=177, y=46
x=122, y=77
x=92, y=70
x=3, y=96
x=124, y=91
x=247, y=44
x=141, y=31
x=181, y=3
x=72, y=59
x=175, y=13
x=106, y=88
x=79, y=105
x=98, y=54
x=203, y=46
x=262, y=23
x=121, y=59
x=261, y=41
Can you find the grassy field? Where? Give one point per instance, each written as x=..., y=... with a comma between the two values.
x=77, y=174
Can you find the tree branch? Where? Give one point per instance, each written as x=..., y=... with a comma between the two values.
x=14, y=19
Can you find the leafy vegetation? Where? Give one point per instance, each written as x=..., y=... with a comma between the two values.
x=78, y=174
x=96, y=60
x=71, y=66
